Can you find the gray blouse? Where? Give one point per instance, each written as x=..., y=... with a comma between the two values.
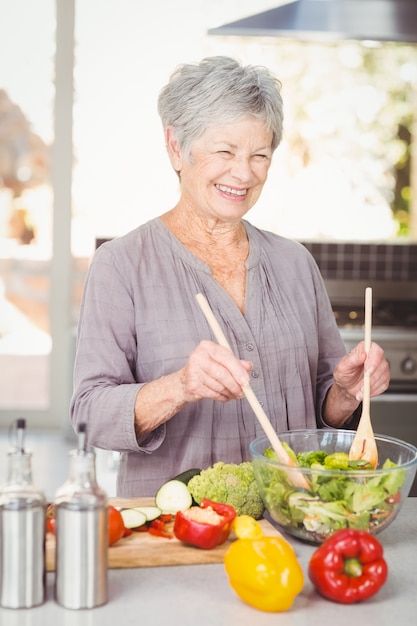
x=139, y=320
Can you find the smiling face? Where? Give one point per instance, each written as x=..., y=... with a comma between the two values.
x=227, y=169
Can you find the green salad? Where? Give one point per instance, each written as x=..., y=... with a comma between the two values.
x=333, y=501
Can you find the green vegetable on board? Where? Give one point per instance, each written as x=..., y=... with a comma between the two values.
x=173, y=496
x=229, y=483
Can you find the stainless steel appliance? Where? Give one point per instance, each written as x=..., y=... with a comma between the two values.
x=329, y=20
x=394, y=327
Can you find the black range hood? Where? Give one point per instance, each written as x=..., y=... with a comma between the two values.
x=331, y=20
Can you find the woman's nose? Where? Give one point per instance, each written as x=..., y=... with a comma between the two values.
x=240, y=169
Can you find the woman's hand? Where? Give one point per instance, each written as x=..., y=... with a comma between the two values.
x=349, y=372
x=213, y=372
x=346, y=393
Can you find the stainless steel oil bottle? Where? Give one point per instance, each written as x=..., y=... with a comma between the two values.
x=22, y=533
x=81, y=534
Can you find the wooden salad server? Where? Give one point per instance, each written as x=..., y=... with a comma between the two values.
x=364, y=444
x=297, y=478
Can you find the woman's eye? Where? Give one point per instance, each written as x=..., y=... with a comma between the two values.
x=262, y=158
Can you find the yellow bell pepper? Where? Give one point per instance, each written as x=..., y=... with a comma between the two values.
x=264, y=572
x=247, y=527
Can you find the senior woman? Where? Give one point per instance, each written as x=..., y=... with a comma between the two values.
x=150, y=380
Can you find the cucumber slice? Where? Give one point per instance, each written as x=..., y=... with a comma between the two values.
x=133, y=518
x=173, y=496
x=150, y=512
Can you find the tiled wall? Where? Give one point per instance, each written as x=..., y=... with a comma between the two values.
x=364, y=261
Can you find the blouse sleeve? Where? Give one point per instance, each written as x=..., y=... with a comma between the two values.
x=105, y=387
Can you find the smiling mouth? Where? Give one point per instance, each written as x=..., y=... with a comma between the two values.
x=232, y=192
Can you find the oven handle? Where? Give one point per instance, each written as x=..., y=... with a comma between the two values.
x=392, y=396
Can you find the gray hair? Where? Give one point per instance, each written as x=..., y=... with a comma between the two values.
x=219, y=90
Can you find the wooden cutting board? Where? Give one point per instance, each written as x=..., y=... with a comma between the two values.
x=145, y=550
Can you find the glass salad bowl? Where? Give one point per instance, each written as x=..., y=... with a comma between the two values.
x=337, y=495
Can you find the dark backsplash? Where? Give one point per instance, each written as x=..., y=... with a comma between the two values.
x=365, y=261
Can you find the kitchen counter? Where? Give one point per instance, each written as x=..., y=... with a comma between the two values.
x=201, y=594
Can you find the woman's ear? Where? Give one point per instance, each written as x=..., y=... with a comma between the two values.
x=173, y=148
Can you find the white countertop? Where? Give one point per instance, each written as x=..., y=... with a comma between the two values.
x=200, y=594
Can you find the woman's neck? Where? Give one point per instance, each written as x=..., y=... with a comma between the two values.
x=223, y=247
x=194, y=231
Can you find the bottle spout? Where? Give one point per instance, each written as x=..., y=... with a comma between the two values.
x=82, y=437
x=20, y=434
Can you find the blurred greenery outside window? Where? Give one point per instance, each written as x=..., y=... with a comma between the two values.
x=353, y=108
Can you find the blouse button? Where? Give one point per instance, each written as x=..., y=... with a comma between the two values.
x=255, y=374
x=249, y=347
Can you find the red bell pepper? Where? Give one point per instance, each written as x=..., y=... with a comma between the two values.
x=206, y=526
x=51, y=518
x=348, y=567
x=157, y=527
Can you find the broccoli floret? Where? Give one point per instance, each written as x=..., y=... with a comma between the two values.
x=229, y=483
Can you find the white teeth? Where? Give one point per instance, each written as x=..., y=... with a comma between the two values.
x=234, y=192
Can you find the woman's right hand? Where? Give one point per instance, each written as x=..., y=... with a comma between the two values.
x=213, y=372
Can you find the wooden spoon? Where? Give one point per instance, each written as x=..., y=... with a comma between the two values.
x=297, y=478
x=364, y=444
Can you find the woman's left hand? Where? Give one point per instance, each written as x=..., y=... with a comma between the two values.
x=349, y=372
x=346, y=393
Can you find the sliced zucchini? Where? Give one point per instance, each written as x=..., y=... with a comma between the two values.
x=150, y=512
x=133, y=518
x=186, y=476
x=173, y=496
